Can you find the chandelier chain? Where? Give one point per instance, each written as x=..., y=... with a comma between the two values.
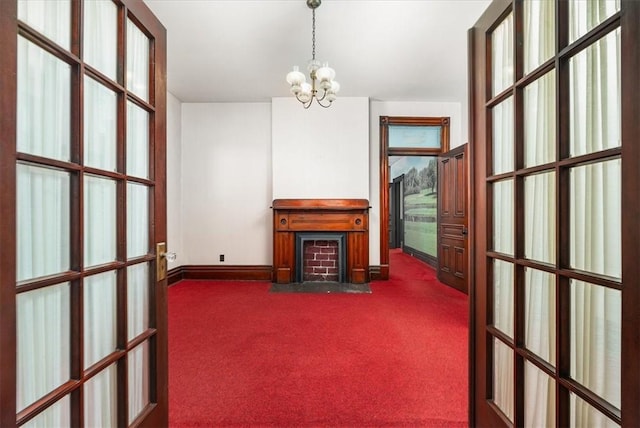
x=313, y=34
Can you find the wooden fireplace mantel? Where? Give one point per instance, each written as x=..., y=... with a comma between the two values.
x=291, y=216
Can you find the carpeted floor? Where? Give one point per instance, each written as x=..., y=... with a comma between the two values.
x=241, y=356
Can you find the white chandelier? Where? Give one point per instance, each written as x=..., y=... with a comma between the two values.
x=321, y=74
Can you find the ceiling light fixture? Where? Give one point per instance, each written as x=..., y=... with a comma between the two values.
x=321, y=74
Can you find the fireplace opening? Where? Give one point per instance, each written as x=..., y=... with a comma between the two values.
x=320, y=257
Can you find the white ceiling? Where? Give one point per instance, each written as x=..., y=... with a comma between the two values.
x=388, y=50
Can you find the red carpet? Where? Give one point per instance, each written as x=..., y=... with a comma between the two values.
x=240, y=356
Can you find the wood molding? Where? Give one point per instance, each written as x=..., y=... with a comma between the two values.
x=315, y=204
x=374, y=273
x=219, y=272
x=243, y=273
x=174, y=275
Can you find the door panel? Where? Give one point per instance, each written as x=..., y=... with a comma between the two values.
x=83, y=201
x=453, y=219
x=554, y=147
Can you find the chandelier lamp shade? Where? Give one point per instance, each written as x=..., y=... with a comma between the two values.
x=322, y=86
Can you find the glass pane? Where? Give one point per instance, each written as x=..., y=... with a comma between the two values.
x=539, y=398
x=581, y=415
x=539, y=34
x=540, y=217
x=540, y=313
x=44, y=103
x=586, y=15
x=51, y=18
x=137, y=299
x=100, y=36
x=424, y=137
x=137, y=141
x=58, y=415
x=503, y=137
x=43, y=222
x=502, y=55
x=503, y=377
x=100, y=125
x=596, y=218
x=503, y=217
x=138, y=367
x=100, y=399
x=99, y=317
x=137, y=61
x=595, y=96
x=99, y=220
x=540, y=120
x=43, y=330
x=503, y=297
x=596, y=332
x=137, y=220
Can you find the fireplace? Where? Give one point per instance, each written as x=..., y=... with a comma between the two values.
x=320, y=257
x=297, y=221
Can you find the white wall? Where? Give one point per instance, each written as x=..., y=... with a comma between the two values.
x=238, y=157
x=458, y=135
x=307, y=143
x=174, y=180
x=226, y=158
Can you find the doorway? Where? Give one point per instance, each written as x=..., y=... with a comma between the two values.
x=413, y=210
x=409, y=147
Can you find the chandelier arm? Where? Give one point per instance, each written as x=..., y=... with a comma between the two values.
x=324, y=95
x=322, y=105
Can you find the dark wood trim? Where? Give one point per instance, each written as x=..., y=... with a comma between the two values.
x=235, y=273
x=374, y=273
x=316, y=204
x=174, y=275
x=630, y=212
x=385, y=152
x=471, y=69
x=8, y=92
x=384, y=198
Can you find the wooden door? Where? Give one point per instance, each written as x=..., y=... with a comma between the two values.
x=84, y=310
x=555, y=302
x=453, y=219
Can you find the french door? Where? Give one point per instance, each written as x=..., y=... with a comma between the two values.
x=556, y=232
x=83, y=312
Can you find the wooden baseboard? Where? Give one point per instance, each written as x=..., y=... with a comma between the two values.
x=374, y=273
x=174, y=275
x=217, y=272
x=245, y=273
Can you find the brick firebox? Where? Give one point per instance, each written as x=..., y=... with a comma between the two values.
x=320, y=257
x=320, y=261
